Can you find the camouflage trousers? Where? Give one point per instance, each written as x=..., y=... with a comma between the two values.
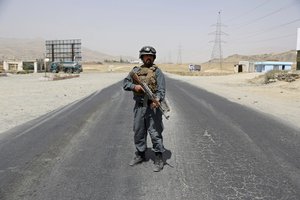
x=147, y=120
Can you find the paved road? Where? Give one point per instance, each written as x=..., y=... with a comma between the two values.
x=216, y=149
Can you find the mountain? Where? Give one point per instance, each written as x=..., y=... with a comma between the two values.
x=31, y=49
x=26, y=49
x=284, y=56
x=230, y=61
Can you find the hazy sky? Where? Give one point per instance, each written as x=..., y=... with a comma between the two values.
x=122, y=27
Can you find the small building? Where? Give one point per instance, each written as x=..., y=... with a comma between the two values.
x=271, y=65
x=249, y=66
x=13, y=65
x=17, y=66
x=244, y=66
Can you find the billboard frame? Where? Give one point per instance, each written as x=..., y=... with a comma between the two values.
x=63, y=50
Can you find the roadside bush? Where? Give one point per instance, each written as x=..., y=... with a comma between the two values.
x=24, y=72
x=277, y=75
x=271, y=76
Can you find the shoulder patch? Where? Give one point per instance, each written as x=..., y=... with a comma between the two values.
x=136, y=69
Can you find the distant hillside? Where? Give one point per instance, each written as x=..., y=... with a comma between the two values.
x=230, y=61
x=21, y=48
x=31, y=49
x=285, y=56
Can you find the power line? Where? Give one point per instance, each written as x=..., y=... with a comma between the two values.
x=247, y=12
x=269, y=39
x=275, y=27
x=275, y=38
x=268, y=29
x=267, y=15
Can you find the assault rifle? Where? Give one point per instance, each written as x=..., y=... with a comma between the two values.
x=163, y=106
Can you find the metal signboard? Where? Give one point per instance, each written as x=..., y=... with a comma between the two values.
x=63, y=50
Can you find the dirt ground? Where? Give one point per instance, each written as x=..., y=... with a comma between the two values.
x=281, y=99
x=28, y=96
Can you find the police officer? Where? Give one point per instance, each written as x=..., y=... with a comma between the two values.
x=147, y=116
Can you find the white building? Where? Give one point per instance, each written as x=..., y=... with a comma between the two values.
x=13, y=65
x=17, y=66
x=248, y=66
x=244, y=66
x=271, y=65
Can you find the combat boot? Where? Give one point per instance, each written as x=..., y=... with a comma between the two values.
x=158, y=162
x=139, y=157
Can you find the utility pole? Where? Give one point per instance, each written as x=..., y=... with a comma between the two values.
x=170, y=57
x=179, y=59
x=298, y=50
x=217, y=53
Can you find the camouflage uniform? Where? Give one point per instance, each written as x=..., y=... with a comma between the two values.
x=147, y=120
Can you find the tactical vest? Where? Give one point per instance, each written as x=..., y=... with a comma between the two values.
x=147, y=75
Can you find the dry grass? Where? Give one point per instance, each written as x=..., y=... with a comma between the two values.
x=179, y=69
x=259, y=80
x=107, y=67
x=57, y=78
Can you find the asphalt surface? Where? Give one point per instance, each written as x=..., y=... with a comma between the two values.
x=216, y=149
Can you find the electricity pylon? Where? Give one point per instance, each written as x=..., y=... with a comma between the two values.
x=179, y=59
x=217, y=53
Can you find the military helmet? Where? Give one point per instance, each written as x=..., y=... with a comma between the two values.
x=147, y=50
